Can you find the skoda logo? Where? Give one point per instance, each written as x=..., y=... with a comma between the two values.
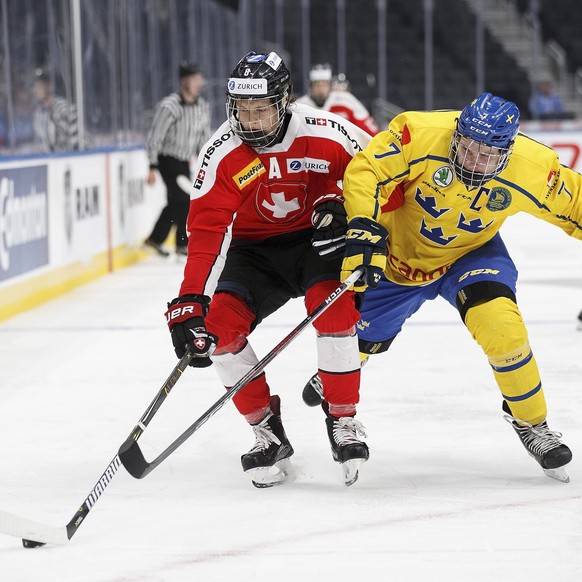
x=443, y=176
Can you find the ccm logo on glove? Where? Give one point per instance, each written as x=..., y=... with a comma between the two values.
x=364, y=236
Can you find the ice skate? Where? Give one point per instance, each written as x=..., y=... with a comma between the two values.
x=158, y=248
x=268, y=461
x=346, y=447
x=313, y=391
x=544, y=446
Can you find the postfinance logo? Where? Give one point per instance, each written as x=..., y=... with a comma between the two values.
x=250, y=173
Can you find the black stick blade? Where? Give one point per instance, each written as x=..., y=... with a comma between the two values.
x=132, y=459
x=32, y=544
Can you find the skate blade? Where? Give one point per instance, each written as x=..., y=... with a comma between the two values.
x=560, y=474
x=351, y=471
x=277, y=474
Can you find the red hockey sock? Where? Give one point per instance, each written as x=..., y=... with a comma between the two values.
x=341, y=391
x=254, y=396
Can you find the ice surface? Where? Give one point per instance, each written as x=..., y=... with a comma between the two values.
x=449, y=492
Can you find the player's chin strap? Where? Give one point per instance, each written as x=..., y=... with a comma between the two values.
x=130, y=453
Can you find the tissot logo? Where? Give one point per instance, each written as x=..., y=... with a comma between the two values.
x=316, y=121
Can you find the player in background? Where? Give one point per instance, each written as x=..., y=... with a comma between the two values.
x=425, y=202
x=267, y=224
x=323, y=96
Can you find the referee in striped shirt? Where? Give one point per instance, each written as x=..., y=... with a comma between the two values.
x=180, y=127
x=55, y=122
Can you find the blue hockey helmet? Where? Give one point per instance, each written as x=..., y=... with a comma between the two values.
x=486, y=130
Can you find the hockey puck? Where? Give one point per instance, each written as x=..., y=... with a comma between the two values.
x=32, y=544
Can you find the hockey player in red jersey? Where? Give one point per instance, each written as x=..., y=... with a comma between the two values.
x=324, y=96
x=267, y=224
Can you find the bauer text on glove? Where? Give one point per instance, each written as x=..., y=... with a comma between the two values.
x=185, y=318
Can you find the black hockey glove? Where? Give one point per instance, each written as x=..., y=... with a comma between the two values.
x=365, y=247
x=185, y=317
x=330, y=224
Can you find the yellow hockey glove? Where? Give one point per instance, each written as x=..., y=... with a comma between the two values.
x=365, y=247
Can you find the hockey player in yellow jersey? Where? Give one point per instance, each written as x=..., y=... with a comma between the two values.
x=425, y=202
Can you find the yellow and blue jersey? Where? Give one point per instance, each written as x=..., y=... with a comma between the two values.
x=404, y=181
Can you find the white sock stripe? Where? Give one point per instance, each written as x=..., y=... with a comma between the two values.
x=338, y=354
x=232, y=367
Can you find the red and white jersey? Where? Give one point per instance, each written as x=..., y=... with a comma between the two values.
x=252, y=194
x=346, y=105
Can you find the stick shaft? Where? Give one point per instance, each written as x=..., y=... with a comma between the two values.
x=130, y=453
x=14, y=525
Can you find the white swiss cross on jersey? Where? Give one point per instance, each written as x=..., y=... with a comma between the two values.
x=281, y=202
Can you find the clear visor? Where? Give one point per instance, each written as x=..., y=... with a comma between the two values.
x=257, y=120
x=476, y=163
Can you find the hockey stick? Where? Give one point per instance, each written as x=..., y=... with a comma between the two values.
x=36, y=534
x=184, y=183
x=130, y=453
